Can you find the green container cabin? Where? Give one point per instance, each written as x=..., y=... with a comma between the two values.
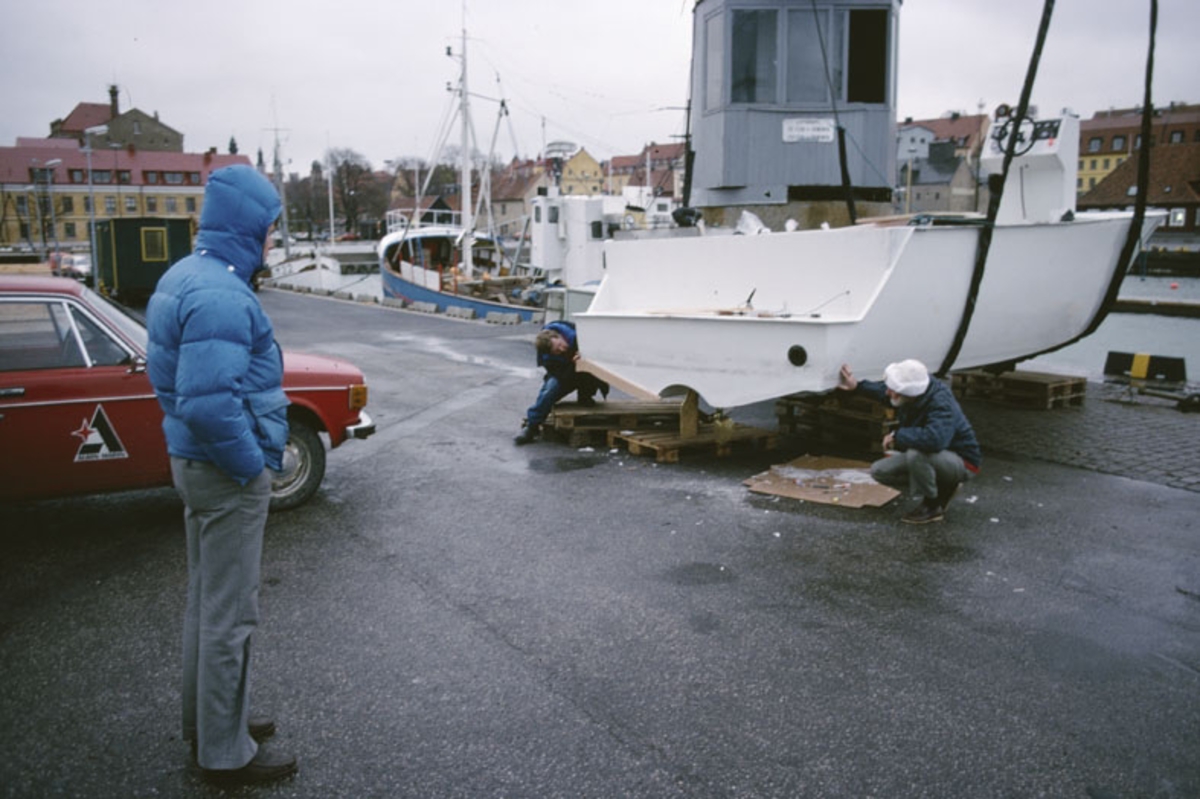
x=134, y=254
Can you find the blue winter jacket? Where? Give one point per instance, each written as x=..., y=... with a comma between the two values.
x=931, y=422
x=212, y=356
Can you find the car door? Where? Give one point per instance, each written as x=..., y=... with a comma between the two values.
x=77, y=413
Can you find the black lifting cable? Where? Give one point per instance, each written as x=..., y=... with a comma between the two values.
x=847, y=187
x=1134, y=236
x=985, y=233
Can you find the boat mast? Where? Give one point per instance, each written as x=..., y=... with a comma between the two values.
x=468, y=221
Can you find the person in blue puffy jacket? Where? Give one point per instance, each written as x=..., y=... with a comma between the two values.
x=218, y=375
x=933, y=449
x=557, y=352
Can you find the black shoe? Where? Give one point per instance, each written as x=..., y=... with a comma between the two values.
x=946, y=493
x=264, y=767
x=528, y=435
x=261, y=727
x=924, y=513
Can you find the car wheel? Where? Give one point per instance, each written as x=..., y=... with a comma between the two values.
x=303, y=468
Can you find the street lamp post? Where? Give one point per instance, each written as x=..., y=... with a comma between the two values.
x=51, y=164
x=87, y=149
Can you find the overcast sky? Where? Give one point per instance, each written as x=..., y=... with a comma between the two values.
x=371, y=75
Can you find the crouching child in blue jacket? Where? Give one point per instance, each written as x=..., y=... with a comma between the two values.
x=557, y=352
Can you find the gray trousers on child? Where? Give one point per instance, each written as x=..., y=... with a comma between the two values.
x=224, y=523
x=920, y=473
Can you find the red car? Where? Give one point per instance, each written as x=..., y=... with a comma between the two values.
x=78, y=415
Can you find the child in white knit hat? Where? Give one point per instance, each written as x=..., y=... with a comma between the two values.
x=933, y=449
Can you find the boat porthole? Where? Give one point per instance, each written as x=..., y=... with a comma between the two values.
x=797, y=355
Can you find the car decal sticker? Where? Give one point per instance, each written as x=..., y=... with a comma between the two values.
x=100, y=440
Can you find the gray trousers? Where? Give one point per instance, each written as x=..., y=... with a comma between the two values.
x=920, y=473
x=224, y=523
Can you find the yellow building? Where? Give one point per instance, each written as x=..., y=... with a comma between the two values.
x=47, y=186
x=581, y=174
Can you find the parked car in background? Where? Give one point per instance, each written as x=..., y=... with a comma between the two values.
x=72, y=265
x=78, y=414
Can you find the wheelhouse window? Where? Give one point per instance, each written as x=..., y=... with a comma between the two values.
x=827, y=55
x=753, y=57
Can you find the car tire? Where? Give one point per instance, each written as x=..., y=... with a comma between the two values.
x=303, y=468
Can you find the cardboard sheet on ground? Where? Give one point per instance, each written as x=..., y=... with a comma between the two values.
x=818, y=478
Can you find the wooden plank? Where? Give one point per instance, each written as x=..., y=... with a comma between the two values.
x=614, y=380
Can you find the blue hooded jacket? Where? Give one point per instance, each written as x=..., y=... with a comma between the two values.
x=561, y=365
x=212, y=356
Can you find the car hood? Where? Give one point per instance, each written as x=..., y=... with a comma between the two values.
x=301, y=370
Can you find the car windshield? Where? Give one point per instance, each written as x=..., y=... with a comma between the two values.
x=119, y=317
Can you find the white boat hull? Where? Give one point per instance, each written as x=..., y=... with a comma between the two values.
x=673, y=313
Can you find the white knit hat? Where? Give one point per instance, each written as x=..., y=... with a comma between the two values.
x=908, y=378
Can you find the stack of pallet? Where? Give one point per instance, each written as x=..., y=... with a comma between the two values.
x=840, y=419
x=663, y=428
x=1037, y=390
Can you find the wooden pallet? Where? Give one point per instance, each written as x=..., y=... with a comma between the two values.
x=719, y=439
x=583, y=424
x=1038, y=390
x=840, y=419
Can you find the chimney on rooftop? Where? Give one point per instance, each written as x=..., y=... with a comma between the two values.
x=113, y=102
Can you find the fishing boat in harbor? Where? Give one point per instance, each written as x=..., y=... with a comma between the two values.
x=440, y=258
x=746, y=316
x=435, y=264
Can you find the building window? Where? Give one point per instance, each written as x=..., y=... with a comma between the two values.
x=1106, y=163
x=68, y=230
x=1078, y=184
x=152, y=205
x=190, y=204
x=1137, y=142
x=1091, y=183
x=1177, y=218
x=171, y=206
x=131, y=203
x=1118, y=143
x=77, y=176
x=110, y=205
x=124, y=177
x=1095, y=143
x=68, y=205
x=150, y=177
x=101, y=176
x=22, y=205
x=87, y=205
x=173, y=178
x=194, y=178
x=1176, y=137
x=1092, y=164
x=753, y=57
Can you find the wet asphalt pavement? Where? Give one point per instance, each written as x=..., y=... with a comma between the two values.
x=453, y=616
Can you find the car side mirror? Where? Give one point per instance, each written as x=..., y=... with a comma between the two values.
x=138, y=366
